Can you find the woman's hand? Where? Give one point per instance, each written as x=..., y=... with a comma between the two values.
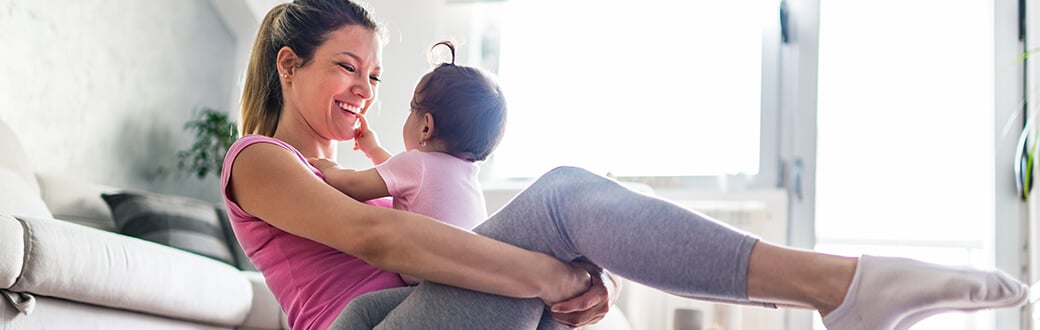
x=591, y=306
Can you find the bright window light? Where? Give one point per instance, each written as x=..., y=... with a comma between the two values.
x=648, y=88
x=905, y=134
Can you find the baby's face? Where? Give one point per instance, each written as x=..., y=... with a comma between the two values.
x=412, y=130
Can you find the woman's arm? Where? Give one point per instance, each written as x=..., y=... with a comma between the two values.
x=272, y=184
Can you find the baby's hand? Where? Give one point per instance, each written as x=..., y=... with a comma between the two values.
x=364, y=138
x=367, y=141
x=322, y=164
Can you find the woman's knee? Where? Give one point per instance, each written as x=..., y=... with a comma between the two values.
x=568, y=171
x=568, y=177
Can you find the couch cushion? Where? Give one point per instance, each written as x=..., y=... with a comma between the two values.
x=76, y=200
x=83, y=264
x=60, y=314
x=181, y=222
x=241, y=259
x=12, y=251
x=21, y=196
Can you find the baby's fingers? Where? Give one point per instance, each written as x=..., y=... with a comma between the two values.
x=321, y=163
x=363, y=127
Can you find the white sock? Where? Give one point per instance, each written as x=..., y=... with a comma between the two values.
x=894, y=293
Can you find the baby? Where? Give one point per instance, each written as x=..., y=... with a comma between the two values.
x=457, y=118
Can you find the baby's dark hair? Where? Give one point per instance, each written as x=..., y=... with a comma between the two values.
x=467, y=105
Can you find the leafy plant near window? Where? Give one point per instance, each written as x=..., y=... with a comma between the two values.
x=1028, y=148
x=214, y=133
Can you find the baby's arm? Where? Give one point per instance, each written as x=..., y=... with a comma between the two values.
x=361, y=185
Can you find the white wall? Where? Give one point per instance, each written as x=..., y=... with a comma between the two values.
x=100, y=89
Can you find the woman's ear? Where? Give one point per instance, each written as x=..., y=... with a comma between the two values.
x=286, y=62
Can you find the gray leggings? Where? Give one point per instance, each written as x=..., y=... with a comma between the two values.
x=571, y=213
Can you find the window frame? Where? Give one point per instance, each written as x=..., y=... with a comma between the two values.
x=798, y=111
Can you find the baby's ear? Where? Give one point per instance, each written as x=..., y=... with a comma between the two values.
x=428, y=125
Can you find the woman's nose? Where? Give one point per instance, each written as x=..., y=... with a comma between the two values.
x=364, y=90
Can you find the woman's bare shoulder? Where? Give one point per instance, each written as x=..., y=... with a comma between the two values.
x=275, y=185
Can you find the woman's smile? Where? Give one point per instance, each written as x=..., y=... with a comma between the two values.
x=353, y=109
x=348, y=115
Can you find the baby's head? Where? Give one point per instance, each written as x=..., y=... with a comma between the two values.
x=467, y=108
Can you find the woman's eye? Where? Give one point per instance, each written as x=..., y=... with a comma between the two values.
x=348, y=67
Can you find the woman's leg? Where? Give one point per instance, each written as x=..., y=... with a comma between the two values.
x=368, y=310
x=570, y=213
x=673, y=249
x=435, y=306
x=798, y=278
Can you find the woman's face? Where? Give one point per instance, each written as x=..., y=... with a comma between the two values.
x=338, y=83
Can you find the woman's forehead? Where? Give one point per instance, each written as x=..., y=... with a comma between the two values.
x=356, y=41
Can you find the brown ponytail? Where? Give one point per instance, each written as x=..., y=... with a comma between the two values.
x=261, y=95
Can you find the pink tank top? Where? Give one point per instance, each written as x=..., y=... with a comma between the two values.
x=312, y=282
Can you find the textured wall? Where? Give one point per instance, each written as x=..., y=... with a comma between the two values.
x=100, y=89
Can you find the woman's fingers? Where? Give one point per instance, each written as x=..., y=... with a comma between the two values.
x=582, y=318
x=588, y=307
x=596, y=295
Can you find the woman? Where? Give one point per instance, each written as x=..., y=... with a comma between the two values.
x=315, y=66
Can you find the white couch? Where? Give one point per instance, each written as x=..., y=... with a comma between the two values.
x=56, y=273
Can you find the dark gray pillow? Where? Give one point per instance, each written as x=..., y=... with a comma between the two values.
x=184, y=223
x=241, y=260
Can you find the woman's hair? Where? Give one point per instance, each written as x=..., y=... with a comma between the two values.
x=302, y=25
x=467, y=106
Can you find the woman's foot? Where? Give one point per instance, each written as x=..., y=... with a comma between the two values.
x=895, y=293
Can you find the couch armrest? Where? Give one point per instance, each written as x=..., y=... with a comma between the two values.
x=12, y=250
x=78, y=263
x=266, y=313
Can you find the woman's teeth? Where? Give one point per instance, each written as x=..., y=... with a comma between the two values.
x=349, y=108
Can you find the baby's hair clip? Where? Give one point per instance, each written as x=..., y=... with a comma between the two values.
x=451, y=48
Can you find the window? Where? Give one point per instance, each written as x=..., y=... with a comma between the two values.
x=649, y=88
x=904, y=162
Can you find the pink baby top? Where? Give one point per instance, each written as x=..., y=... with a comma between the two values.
x=436, y=185
x=311, y=281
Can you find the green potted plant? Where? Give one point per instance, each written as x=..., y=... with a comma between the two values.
x=214, y=133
